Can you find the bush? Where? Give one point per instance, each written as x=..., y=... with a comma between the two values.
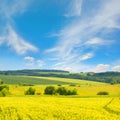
x=38, y=93
x=64, y=91
x=4, y=86
x=4, y=90
x=30, y=91
x=103, y=93
x=60, y=90
x=50, y=90
x=1, y=82
x=72, y=85
x=72, y=92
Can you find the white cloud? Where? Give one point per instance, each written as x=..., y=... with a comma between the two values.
x=40, y=63
x=29, y=60
x=14, y=7
x=9, y=36
x=116, y=68
x=108, y=14
x=17, y=43
x=32, y=62
x=101, y=68
x=98, y=41
x=74, y=8
x=83, y=33
x=86, y=56
x=14, y=41
x=1, y=40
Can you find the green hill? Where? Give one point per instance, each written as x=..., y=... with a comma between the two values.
x=107, y=77
x=33, y=80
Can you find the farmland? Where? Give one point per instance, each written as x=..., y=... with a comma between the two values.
x=12, y=79
x=59, y=108
x=86, y=105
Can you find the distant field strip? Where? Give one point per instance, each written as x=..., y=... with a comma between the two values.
x=70, y=81
x=28, y=80
x=58, y=108
x=12, y=79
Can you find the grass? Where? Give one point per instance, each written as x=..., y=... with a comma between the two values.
x=113, y=90
x=12, y=79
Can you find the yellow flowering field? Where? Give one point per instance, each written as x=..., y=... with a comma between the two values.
x=59, y=108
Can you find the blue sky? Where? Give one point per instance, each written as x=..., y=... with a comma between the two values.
x=73, y=35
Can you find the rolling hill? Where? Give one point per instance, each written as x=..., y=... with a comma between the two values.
x=107, y=77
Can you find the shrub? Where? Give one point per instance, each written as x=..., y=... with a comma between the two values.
x=103, y=93
x=4, y=90
x=72, y=92
x=30, y=91
x=38, y=93
x=64, y=91
x=60, y=90
x=50, y=90
x=1, y=82
x=72, y=85
x=4, y=86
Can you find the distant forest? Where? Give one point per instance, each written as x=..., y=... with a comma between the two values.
x=108, y=77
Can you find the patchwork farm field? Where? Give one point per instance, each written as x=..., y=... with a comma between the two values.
x=59, y=108
x=90, y=91
x=12, y=79
x=19, y=84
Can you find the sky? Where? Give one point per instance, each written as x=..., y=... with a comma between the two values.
x=72, y=35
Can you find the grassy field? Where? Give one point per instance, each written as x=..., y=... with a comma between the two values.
x=19, y=84
x=12, y=79
x=113, y=90
x=59, y=108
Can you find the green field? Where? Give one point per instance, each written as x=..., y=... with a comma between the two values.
x=12, y=79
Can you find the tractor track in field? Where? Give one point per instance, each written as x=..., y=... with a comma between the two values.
x=106, y=107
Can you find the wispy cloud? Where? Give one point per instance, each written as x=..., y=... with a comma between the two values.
x=32, y=62
x=2, y=40
x=17, y=43
x=14, y=41
x=98, y=41
x=8, y=9
x=9, y=36
x=83, y=33
x=74, y=8
x=101, y=68
x=116, y=68
x=86, y=56
x=40, y=63
x=29, y=60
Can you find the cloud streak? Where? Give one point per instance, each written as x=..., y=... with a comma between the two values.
x=32, y=62
x=74, y=8
x=14, y=41
x=8, y=9
x=9, y=36
x=83, y=33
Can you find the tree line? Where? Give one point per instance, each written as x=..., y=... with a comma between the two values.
x=108, y=77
